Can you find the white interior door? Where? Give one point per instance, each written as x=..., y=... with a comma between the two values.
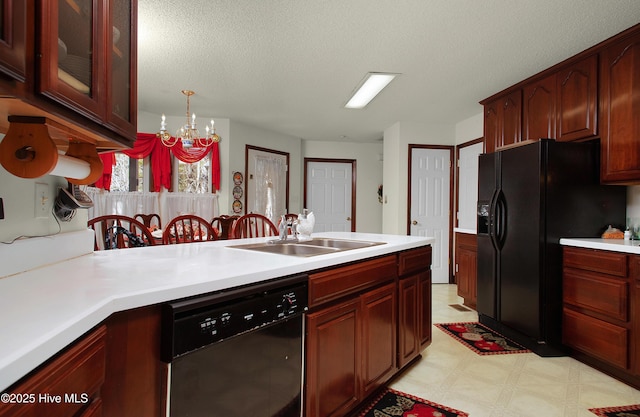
x=329, y=191
x=468, y=186
x=430, y=201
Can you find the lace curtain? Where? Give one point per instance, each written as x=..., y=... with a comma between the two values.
x=166, y=204
x=270, y=187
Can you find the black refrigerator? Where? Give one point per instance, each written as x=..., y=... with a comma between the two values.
x=529, y=197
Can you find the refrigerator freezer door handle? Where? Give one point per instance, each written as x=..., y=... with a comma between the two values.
x=492, y=219
x=500, y=220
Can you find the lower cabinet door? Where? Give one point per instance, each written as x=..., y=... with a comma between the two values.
x=424, y=310
x=598, y=338
x=408, y=338
x=333, y=349
x=379, y=337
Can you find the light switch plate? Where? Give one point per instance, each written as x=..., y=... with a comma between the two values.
x=42, y=202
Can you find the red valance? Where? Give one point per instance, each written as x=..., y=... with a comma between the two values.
x=108, y=161
x=148, y=144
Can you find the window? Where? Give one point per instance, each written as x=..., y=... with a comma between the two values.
x=127, y=174
x=194, y=177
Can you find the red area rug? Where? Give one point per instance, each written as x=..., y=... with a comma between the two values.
x=625, y=411
x=393, y=403
x=481, y=339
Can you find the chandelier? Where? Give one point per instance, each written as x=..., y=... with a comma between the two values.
x=188, y=134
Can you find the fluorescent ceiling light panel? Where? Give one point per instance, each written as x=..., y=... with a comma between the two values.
x=370, y=86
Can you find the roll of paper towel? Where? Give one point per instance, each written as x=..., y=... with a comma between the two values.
x=70, y=167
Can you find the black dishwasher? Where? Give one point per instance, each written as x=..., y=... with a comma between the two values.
x=237, y=352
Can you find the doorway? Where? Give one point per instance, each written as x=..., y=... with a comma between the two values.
x=267, y=179
x=430, y=201
x=329, y=192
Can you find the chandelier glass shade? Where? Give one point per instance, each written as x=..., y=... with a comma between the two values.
x=188, y=134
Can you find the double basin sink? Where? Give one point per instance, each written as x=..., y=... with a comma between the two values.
x=313, y=247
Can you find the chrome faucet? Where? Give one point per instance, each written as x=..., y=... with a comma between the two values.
x=284, y=227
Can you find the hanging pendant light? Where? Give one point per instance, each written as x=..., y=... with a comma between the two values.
x=188, y=134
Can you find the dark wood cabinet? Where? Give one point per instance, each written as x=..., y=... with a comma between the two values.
x=15, y=38
x=351, y=351
x=492, y=129
x=408, y=320
x=351, y=335
x=559, y=104
x=70, y=382
x=424, y=309
x=114, y=370
x=601, y=300
x=378, y=328
x=539, y=109
x=619, y=110
x=72, y=63
x=577, y=100
x=512, y=118
x=634, y=312
x=503, y=121
x=135, y=384
x=72, y=48
x=333, y=353
x=466, y=256
x=414, y=304
x=87, y=59
x=364, y=324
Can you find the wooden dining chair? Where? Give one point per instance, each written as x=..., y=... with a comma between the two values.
x=115, y=231
x=223, y=225
x=188, y=228
x=149, y=220
x=253, y=225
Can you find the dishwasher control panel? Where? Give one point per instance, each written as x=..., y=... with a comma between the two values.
x=198, y=322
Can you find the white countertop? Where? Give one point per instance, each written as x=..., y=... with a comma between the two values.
x=45, y=309
x=616, y=245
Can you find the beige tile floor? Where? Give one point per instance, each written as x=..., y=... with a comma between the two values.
x=516, y=385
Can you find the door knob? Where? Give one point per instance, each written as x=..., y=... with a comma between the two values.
x=348, y=219
x=415, y=222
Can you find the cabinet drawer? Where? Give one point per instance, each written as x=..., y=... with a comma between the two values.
x=598, y=293
x=339, y=282
x=414, y=260
x=79, y=372
x=467, y=241
x=600, y=339
x=596, y=260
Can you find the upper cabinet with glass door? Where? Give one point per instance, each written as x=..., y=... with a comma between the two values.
x=88, y=59
x=13, y=38
x=122, y=88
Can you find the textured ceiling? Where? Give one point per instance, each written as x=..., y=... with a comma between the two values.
x=289, y=66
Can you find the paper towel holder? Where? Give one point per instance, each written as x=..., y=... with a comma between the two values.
x=27, y=151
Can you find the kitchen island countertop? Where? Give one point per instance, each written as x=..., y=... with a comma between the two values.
x=47, y=308
x=615, y=245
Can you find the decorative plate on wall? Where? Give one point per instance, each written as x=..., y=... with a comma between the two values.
x=237, y=192
x=237, y=178
x=237, y=206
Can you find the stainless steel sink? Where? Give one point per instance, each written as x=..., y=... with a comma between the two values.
x=314, y=247
x=343, y=244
